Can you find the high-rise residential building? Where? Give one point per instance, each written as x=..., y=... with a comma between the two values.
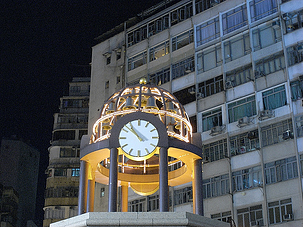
x=61, y=194
x=9, y=200
x=236, y=66
x=19, y=168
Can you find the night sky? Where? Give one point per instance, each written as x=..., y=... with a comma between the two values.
x=44, y=44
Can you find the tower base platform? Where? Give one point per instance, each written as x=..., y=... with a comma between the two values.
x=140, y=219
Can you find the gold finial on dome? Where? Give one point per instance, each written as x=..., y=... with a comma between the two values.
x=143, y=80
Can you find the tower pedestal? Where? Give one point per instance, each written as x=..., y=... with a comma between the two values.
x=140, y=219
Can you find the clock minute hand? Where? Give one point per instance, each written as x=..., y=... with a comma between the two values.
x=134, y=132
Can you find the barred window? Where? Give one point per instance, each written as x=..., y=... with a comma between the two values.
x=270, y=65
x=160, y=77
x=60, y=172
x=158, y=25
x=239, y=76
x=250, y=216
x=301, y=164
x=266, y=35
x=209, y=59
x=183, y=195
x=223, y=216
x=202, y=5
x=247, y=178
x=137, y=60
x=299, y=126
x=153, y=202
x=215, y=151
x=273, y=133
x=75, y=172
x=295, y=54
x=60, y=192
x=137, y=35
x=244, y=142
x=262, y=8
x=137, y=205
x=242, y=108
x=296, y=88
x=281, y=170
x=293, y=20
x=207, y=31
x=216, y=186
x=234, y=19
x=236, y=47
x=181, y=13
x=211, y=86
x=211, y=119
x=183, y=67
x=182, y=40
x=68, y=152
x=277, y=209
x=159, y=51
x=274, y=98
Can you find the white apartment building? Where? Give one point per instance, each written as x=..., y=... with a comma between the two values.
x=237, y=67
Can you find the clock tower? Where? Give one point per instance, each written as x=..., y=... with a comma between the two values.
x=142, y=140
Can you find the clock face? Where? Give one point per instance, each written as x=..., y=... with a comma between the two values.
x=138, y=139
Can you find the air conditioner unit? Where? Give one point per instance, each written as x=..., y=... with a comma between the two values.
x=259, y=74
x=200, y=95
x=192, y=90
x=215, y=130
x=252, y=135
x=288, y=135
x=228, y=84
x=257, y=223
x=288, y=217
x=300, y=48
x=275, y=25
x=243, y=121
x=265, y=114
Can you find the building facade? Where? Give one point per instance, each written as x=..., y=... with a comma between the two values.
x=61, y=194
x=236, y=66
x=9, y=200
x=19, y=169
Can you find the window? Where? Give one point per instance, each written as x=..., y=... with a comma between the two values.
x=75, y=89
x=68, y=152
x=273, y=134
x=185, y=95
x=118, y=79
x=183, y=67
x=250, y=216
x=50, y=213
x=159, y=51
x=299, y=125
x=207, y=31
x=75, y=172
x=64, y=135
x=82, y=133
x=269, y=65
x=281, y=170
x=293, y=20
x=202, y=5
x=153, y=202
x=137, y=60
x=61, y=192
x=183, y=195
x=295, y=54
x=215, y=151
x=216, y=186
x=118, y=54
x=137, y=205
x=239, y=76
x=158, y=25
x=277, y=209
x=244, y=142
x=160, y=77
x=236, y=47
x=211, y=119
x=209, y=59
x=262, y=8
x=234, y=19
x=266, y=35
x=224, y=216
x=74, y=103
x=247, y=178
x=242, y=108
x=274, y=98
x=301, y=165
x=211, y=86
x=102, y=192
x=108, y=58
x=60, y=172
x=181, y=13
x=296, y=89
x=137, y=35
x=182, y=40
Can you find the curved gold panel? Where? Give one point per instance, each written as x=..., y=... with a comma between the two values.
x=144, y=189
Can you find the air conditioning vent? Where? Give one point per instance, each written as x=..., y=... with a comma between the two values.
x=243, y=121
x=200, y=95
x=192, y=90
x=216, y=130
x=265, y=114
x=288, y=217
x=288, y=135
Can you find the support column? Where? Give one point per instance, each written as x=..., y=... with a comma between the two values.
x=124, y=198
x=82, y=187
x=163, y=181
x=90, y=195
x=113, y=180
x=197, y=188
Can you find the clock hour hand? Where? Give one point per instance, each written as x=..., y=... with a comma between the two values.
x=134, y=132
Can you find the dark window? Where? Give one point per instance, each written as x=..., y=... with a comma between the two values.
x=64, y=135
x=185, y=96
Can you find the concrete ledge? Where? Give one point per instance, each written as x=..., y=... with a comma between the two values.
x=140, y=219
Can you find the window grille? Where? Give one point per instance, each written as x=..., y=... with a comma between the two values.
x=216, y=186
x=247, y=178
x=234, y=19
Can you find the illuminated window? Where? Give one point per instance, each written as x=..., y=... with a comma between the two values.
x=159, y=51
